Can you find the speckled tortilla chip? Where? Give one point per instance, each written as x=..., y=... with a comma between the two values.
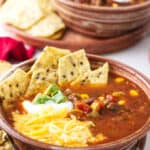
x=98, y=76
x=21, y=14
x=47, y=26
x=72, y=66
x=5, y=143
x=46, y=6
x=44, y=70
x=14, y=86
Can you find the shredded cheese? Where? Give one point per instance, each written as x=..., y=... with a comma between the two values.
x=53, y=127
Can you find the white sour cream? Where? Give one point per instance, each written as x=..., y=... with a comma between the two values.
x=36, y=108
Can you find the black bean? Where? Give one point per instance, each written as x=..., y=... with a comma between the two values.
x=112, y=107
x=90, y=100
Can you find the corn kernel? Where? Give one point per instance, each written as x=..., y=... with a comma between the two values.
x=121, y=102
x=119, y=80
x=118, y=93
x=95, y=106
x=84, y=96
x=101, y=98
x=133, y=93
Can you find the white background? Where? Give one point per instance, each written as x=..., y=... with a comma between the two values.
x=137, y=56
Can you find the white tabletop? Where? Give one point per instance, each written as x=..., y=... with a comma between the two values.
x=137, y=56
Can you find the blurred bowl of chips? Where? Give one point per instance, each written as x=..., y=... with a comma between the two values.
x=103, y=21
x=36, y=18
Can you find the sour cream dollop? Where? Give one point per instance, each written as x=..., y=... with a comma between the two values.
x=36, y=108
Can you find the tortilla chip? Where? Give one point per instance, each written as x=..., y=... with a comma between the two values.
x=46, y=6
x=21, y=14
x=57, y=35
x=49, y=58
x=72, y=66
x=44, y=70
x=5, y=142
x=4, y=66
x=47, y=26
x=14, y=86
x=98, y=76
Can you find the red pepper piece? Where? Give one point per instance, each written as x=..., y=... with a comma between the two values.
x=83, y=106
x=101, y=105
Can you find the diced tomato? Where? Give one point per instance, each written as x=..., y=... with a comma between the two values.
x=83, y=106
x=101, y=105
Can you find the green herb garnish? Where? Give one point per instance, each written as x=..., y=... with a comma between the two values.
x=41, y=99
x=51, y=90
x=59, y=97
x=52, y=93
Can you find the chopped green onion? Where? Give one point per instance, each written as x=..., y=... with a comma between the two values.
x=59, y=97
x=52, y=93
x=52, y=90
x=41, y=99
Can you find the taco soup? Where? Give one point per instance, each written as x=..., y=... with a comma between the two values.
x=64, y=100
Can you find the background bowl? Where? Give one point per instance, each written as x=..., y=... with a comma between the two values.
x=102, y=21
x=126, y=143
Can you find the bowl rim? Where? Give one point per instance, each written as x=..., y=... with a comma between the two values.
x=125, y=140
x=106, y=8
x=71, y=14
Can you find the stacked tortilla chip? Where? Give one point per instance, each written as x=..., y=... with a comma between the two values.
x=35, y=17
x=54, y=65
x=5, y=142
x=60, y=66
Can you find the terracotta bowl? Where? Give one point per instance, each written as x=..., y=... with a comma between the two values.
x=102, y=21
x=126, y=143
